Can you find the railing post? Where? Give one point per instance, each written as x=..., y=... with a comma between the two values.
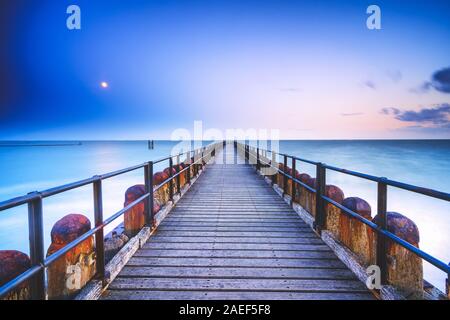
x=258, y=165
x=246, y=153
x=36, y=238
x=201, y=159
x=292, y=180
x=285, y=180
x=149, y=189
x=235, y=152
x=381, y=256
x=171, y=180
x=99, y=237
x=178, y=176
x=320, y=191
x=194, y=166
x=274, y=167
x=189, y=168
x=188, y=171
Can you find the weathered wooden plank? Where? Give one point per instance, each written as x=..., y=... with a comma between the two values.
x=195, y=238
x=246, y=225
x=219, y=206
x=237, y=273
x=264, y=230
x=317, y=285
x=292, y=237
x=237, y=215
x=244, y=235
x=232, y=219
x=237, y=262
x=231, y=295
x=232, y=245
x=233, y=210
x=235, y=253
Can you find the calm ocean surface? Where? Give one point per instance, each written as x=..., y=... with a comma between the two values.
x=25, y=168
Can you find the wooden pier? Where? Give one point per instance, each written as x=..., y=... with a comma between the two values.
x=224, y=221
x=232, y=237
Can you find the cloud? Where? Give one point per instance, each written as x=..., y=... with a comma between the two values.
x=440, y=81
x=394, y=75
x=370, y=84
x=352, y=114
x=437, y=116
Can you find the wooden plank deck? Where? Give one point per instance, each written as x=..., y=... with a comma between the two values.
x=232, y=237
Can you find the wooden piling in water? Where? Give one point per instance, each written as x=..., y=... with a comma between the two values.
x=134, y=219
x=162, y=194
x=310, y=200
x=333, y=214
x=68, y=274
x=302, y=193
x=12, y=264
x=354, y=234
x=405, y=270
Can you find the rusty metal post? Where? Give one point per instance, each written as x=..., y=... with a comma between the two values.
x=188, y=171
x=235, y=161
x=381, y=254
x=258, y=164
x=178, y=176
x=293, y=183
x=275, y=167
x=225, y=152
x=447, y=285
x=246, y=154
x=285, y=180
x=171, y=179
x=99, y=237
x=148, y=172
x=320, y=191
x=36, y=241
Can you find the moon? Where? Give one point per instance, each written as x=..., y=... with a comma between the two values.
x=104, y=84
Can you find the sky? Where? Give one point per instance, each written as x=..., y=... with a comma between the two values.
x=310, y=69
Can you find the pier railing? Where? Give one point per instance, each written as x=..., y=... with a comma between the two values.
x=35, y=275
x=255, y=155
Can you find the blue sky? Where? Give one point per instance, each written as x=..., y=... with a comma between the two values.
x=309, y=68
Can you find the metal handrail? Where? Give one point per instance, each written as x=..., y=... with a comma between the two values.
x=34, y=201
x=382, y=191
x=393, y=183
